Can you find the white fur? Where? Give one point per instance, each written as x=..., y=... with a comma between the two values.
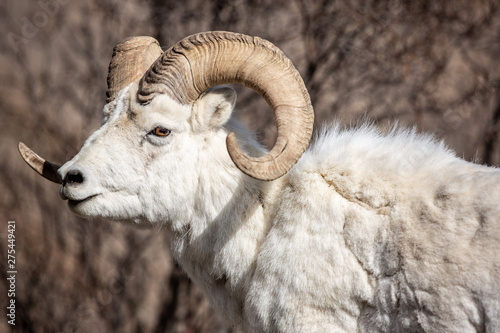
x=368, y=232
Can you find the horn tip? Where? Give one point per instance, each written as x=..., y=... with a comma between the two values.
x=246, y=163
x=24, y=150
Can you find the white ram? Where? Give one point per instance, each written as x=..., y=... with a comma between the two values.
x=367, y=232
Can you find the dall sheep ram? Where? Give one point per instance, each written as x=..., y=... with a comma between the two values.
x=363, y=231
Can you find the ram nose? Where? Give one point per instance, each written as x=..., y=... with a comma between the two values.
x=71, y=178
x=40, y=165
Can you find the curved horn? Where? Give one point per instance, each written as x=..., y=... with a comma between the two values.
x=204, y=60
x=44, y=168
x=131, y=59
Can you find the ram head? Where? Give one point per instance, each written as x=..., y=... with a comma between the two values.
x=163, y=119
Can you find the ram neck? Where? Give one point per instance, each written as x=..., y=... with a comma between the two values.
x=218, y=247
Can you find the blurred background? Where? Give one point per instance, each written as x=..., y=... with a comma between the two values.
x=430, y=64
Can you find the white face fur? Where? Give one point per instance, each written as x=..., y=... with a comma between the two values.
x=142, y=164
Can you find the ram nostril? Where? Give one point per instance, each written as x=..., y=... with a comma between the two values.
x=73, y=177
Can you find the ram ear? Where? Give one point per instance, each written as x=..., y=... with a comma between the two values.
x=215, y=106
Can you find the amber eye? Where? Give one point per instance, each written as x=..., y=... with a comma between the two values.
x=160, y=131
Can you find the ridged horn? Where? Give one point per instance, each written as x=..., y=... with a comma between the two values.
x=46, y=169
x=204, y=60
x=131, y=59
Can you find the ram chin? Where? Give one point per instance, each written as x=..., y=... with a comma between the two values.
x=86, y=207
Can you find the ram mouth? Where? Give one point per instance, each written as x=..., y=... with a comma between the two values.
x=74, y=202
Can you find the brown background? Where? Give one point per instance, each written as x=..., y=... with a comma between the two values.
x=430, y=64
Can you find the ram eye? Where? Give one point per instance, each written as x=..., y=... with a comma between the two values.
x=160, y=131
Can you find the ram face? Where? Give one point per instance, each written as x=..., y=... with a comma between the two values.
x=164, y=125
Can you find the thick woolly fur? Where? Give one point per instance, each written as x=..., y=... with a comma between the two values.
x=368, y=232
